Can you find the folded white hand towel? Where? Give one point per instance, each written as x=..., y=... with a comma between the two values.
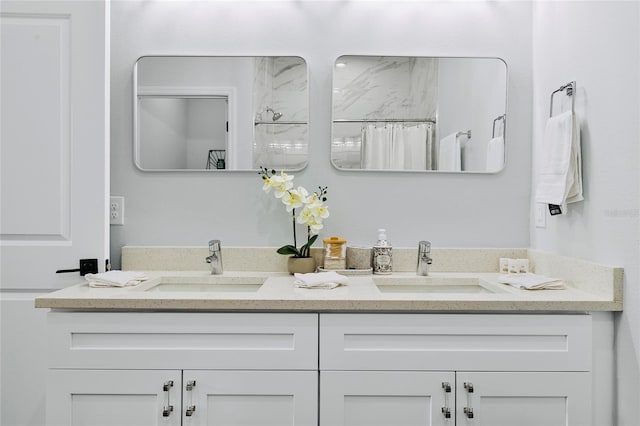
x=560, y=170
x=116, y=278
x=531, y=281
x=329, y=280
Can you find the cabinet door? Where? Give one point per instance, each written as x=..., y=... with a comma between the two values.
x=386, y=398
x=113, y=397
x=250, y=398
x=523, y=399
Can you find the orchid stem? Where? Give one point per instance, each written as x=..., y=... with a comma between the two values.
x=295, y=243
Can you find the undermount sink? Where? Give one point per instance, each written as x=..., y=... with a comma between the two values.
x=433, y=285
x=211, y=283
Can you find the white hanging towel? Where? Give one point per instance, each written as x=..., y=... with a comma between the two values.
x=376, y=146
x=449, y=155
x=495, y=154
x=560, y=169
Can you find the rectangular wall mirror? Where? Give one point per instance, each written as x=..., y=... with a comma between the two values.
x=220, y=113
x=404, y=113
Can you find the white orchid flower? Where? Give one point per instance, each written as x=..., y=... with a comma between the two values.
x=305, y=216
x=281, y=183
x=268, y=184
x=315, y=225
x=295, y=198
x=319, y=211
x=309, y=216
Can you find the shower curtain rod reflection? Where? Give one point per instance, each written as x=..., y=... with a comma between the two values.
x=386, y=120
x=279, y=122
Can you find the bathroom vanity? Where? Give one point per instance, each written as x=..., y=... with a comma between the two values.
x=248, y=348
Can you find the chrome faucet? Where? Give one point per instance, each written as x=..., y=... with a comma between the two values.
x=424, y=258
x=215, y=257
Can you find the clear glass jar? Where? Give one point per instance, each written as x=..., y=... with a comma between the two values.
x=335, y=253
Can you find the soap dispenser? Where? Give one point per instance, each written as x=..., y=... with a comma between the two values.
x=382, y=260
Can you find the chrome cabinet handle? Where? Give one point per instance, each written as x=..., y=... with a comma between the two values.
x=191, y=406
x=446, y=412
x=468, y=411
x=167, y=409
x=166, y=412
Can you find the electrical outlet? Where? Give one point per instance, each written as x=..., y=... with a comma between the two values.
x=116, y=211
x=541, y=215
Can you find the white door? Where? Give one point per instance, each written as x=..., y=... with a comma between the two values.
x=523, y=399
x=386, y=398
x=250, y=398
x=54, y=140
x=113, y=398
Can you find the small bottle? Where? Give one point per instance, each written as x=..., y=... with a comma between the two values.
x=382, y=261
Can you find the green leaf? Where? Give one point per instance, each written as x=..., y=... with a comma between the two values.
x=305, y=249
x=289, y=249
x=312, y=240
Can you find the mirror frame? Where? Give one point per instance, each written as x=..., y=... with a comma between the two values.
x=443, y=172
x=226, y=91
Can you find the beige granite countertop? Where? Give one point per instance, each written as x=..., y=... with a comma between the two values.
x=278, y=293
x=590, y=286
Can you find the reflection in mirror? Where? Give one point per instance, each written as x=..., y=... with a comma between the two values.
x=419, y=113
x=220, y=113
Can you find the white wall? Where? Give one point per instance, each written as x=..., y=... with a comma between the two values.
x=449, y=210
x=597, y=44
x=206, y=129
x=165, y=127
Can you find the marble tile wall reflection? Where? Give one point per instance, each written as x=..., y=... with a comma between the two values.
x=385, y=87
x=281, y=146
x=281, y=83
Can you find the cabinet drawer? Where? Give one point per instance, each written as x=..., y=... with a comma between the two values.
x=472, y=342
x=183, y=340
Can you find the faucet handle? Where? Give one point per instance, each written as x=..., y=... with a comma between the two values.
x=424, y=247
x=424, y=251
x=214, y=246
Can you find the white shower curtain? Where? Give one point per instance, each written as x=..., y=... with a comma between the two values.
x=376, y=146
x=397, y=146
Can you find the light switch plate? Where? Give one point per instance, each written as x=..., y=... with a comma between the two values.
x=541, y=215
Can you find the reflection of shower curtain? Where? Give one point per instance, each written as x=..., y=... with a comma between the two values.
x=397, y=146
x=376, y=146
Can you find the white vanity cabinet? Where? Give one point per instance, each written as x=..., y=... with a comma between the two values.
x=121, y=369
x=114, y=397
x=383, y=398
x=523, y=398
x=182, y=397
x=493, y=370
x=258, y=369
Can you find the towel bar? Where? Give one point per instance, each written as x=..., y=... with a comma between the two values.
x=467, y=134
x=503, y=117
x=570, y=88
